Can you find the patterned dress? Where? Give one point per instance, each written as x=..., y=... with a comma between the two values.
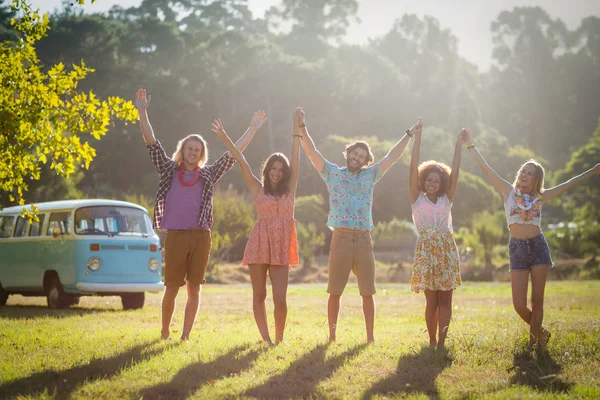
x=273, y=238
x=437, y=263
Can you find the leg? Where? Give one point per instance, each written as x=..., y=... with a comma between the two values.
x=519, y=280
x=168, y=306
x=191, y=309
x=445, y=314
x=538, y=285
x=431, y=315
x=279, y=284
x=364, y=269
x=368, y=303
x=197, y=262
x=333, y=312
x=258, y=277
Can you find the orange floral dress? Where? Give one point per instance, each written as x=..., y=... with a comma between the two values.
x=273, y=239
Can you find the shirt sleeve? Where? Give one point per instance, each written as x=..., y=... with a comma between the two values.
x=375, y=171
x=328, y=169
x=220, y=167
x=159, y=157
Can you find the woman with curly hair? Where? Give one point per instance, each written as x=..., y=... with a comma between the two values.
x=528, y=251
x=272, y=247
x=436, y=269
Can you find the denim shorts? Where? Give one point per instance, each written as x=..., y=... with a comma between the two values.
x=527, y=253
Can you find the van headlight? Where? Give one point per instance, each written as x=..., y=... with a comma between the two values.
x=153, y=264
x=94, y=264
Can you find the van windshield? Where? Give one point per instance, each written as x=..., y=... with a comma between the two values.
x=112, y=220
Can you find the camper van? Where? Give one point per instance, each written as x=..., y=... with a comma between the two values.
x=79, y=248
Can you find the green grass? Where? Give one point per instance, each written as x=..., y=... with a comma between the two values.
x=96, y=350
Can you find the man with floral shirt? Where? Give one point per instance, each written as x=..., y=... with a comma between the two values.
x=183, y=207
x=350, y=217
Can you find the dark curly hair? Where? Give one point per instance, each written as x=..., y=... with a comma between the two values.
x=284, y=184
x=428, y=167
x=363, y=145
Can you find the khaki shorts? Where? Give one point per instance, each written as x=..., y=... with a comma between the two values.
x=351, y=250
x=186, y=256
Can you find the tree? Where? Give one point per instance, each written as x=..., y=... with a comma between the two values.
x=582, y=202
x=43, y=117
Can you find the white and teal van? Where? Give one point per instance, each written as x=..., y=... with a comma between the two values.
x=79, y=248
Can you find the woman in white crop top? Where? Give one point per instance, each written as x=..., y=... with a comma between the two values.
x=436, y=269
x=529, y=253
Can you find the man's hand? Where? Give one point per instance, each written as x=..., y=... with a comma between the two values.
x=141, y=101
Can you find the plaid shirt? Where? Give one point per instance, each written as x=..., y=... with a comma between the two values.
x=167, y=167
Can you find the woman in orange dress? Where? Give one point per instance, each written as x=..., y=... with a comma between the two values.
x=272, y=247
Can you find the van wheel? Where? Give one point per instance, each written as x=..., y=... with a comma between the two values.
x=56, y=296
x=3, y=296
x=133, y=301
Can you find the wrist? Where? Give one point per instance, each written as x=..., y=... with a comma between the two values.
x=409, y=133
x=470, y=145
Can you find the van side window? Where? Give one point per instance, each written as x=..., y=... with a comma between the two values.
x=21, y=228
x=36, y=227
x=6, y=225
x=59, y=223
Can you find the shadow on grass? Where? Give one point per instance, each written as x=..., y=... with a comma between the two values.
x=416, y=374
x=192, y=377
x=302, y=377
x=538, y=370
x=61, y=384
x=18, y=312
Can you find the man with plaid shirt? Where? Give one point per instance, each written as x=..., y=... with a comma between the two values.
x=183, y=207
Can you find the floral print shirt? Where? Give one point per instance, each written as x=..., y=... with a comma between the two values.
x=350, y=196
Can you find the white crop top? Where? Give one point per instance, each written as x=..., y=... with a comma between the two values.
x=427, y=215
x=523, y=209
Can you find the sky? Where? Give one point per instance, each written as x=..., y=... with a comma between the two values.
x=468, y=20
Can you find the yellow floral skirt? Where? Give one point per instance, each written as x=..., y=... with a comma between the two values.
x=437, y=263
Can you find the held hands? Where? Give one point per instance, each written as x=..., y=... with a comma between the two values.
x=464, y=136
x=298, y=116
x=141, y=101
x=217, y=127
x=258, y=119
x=417, y=128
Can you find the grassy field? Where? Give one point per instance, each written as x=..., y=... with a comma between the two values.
x=96, y=350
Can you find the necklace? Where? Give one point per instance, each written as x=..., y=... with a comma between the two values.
x=529, y=205
x=190, y=183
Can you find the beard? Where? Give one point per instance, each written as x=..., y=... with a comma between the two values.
x=354, y=169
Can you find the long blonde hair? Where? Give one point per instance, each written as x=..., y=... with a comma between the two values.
x=538, y=184
x=178, y=155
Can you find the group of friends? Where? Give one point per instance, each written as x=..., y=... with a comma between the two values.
x=183, y=208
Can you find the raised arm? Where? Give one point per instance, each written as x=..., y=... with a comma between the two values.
x=396, y=152
x=257, y=120
x=317, y=159
x=502, y=185
x=141, y=103
x=557, y=190
x=462, y=139
x=294, y=163
x=413, y=180
x=253, y=183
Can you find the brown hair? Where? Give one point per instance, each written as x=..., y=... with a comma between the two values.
x=178, y=155
x=428, y=167
x=284, y=184
x=363, y=145
x=538, y=184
